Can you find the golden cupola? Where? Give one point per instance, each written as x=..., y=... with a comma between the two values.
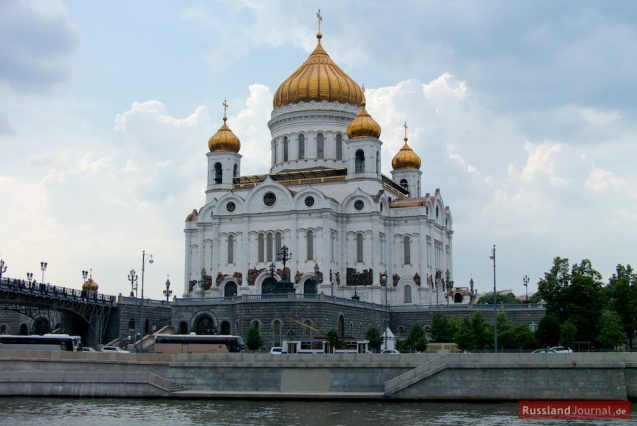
x=363, y=125
x=406, y=158
x=319, y=79
x=224, y=140
x=90, y=285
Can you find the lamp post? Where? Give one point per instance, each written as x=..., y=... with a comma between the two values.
x=525, y=280
x=472, y=291
x=168, y=292
x=495, y=306
x=141, y=325
x=448, y=286
x=29, y=278
x=3, y=268
x=383, y=281
x=284, y=255
x=355, y=277
x=132, y=277
x=43, y=268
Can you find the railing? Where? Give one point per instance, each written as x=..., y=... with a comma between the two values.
x=25, y=287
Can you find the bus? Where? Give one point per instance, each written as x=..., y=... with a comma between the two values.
x=318, y=345
x=47, y=342
x=197, y=344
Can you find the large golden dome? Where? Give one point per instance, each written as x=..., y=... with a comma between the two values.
x=363, y=125
x=406, y=158
x=318, y=79
x=224, y=140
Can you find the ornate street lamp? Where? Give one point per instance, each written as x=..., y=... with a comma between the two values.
x=168, y=292
x=284, y=255
x=272, y=268
x=132, y=277
x=141, y=325
x=355, y=277
x=473, y=292
x=43, y=268
x=448, y=286
x=495, y=306
x=29, y=278
x=383, y=282
x=525, y=280
x=3, y=268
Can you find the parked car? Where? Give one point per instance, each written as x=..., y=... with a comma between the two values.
x=277, y=350
x=114, y=349
x=390, y=351
x=88, y=349
x=561, y=350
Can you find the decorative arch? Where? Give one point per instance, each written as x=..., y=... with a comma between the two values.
x=457, y=298
x=310, y=286
x=218, y=173
x=341, y=325
x=359, y=161
x=224, y=328
x=230, y=289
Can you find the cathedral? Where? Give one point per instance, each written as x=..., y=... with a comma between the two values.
x=324, y=219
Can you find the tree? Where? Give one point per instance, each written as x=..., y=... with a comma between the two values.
x=525, y=338
x=622, y=290
x=416, y=339
x=374, y=337
x=254, y=340
x=480, y=329
x=611, y=331
x=464, y=336
x=441, y=329
x=568, y=333
x=548, y=330
x=507, y=299
x=576, y=295
x=506, y=335
x=333, y=338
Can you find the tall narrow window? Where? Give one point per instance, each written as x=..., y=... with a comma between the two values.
x=301, y=146
x=286, y=147
x=407, y=251
x=310, y=245
x=359, y=164
x=277, y=242
x=339, y=146
x=235, y=174
x=230, y=248
x=319, y=145
x=407, y=294
x=268, y=248
x=277, y=332
x=359, y=247
x=378, y=163
x=261, y=248
x=274, y=152
x=218, y=173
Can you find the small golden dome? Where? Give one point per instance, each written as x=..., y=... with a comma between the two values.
x=319, y=79
x=224, y=140
x=90, y=285
x=363, y=125
x=406, y=158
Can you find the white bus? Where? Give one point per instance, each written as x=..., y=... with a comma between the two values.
x=197, y=344
x=47, y=342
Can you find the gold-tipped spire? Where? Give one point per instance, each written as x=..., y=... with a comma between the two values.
x=224, y=140
x=406, y=158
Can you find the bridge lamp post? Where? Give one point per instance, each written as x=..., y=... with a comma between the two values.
x=168, y=292
x=29, y=278
x=525, y=280
x=141, y=325
x=383, y=281
x=448, y=286
x=495, y=306
x=43, y=268
x=3, y=268
x=355, y=277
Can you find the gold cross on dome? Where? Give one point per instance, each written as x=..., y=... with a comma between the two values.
x=405, y=126
x=320, y=18
x=225, y=106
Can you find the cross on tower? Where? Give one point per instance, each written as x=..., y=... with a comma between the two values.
x=320, y=18
x=405, y=126
x=225, y=107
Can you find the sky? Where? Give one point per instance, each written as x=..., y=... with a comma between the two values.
x=523, y=114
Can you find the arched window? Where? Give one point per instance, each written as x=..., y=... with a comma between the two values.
x=339, y=146
x=407, y=294
x=407, y=251
x=225, y=328
x=277, y=242
x=310, y=245
x=256, y=324
x=235, y=174
x=359, y=162
x=359, y=247
x=301, y=146
x=218, y=172
x=268, y=248
x=457, y=298
x=341, y=325
x=131, y=324
x=404, y=184
x=261, y=248
x=230, y=248
x=286, y=147
x=309, y=286
x=319, y=145
x=183, y=327
x=378, y=163
x=230, y=289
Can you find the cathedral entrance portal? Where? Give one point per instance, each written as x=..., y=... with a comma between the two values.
x=268, y=286
x=230, y=289
x=309, y=287
x=205, y=325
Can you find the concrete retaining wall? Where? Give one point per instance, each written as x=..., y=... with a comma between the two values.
x=601, y=376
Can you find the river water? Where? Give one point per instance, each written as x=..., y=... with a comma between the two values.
x=98, y=412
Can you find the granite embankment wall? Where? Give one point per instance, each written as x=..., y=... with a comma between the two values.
x=609, y=376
